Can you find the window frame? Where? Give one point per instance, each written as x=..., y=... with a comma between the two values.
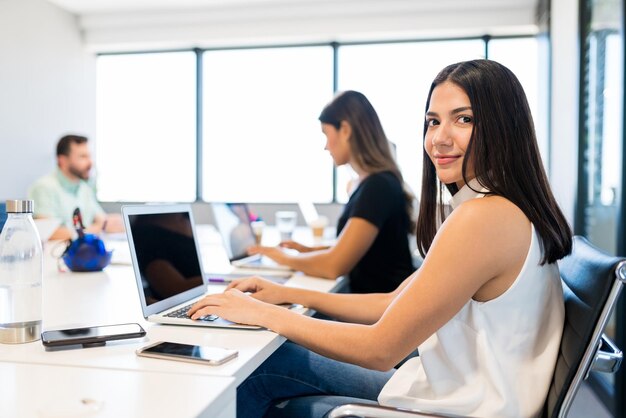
x=335, y=45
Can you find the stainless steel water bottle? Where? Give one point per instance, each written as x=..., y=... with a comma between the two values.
x=20, y=275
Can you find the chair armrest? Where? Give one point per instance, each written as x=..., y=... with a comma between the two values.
x=608, y=357
x=356, y=410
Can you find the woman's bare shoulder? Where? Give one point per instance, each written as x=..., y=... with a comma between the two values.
x=493, y=223
x=495, y=210
x=483, y=241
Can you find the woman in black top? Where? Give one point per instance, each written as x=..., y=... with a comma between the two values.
x=372, y=245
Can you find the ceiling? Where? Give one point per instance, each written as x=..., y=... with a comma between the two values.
x=146, y=24
x=82, y=7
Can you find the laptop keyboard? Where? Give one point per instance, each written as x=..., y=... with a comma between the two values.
x=182, y=313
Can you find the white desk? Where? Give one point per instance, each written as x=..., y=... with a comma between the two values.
x=110, y=297
x=42, y=391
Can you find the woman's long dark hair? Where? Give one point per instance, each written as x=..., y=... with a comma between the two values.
x=503, y=148
x=368, y=142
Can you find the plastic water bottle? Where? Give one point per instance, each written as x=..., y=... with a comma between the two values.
x=20, y=275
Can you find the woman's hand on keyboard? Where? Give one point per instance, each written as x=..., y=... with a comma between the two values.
x=232, y=305
x=261, y=289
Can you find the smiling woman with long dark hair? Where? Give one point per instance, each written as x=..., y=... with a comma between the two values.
x=485, y=308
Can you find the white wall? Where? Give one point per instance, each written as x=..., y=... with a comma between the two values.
x=47, y=89
x=564, y=106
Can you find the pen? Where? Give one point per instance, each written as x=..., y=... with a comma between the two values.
x=218, y=280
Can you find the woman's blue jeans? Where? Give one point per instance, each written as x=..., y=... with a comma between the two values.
x=295, y=372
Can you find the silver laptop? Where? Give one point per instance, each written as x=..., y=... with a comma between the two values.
x=168, y=269
x=233, y=223
x=309, y=213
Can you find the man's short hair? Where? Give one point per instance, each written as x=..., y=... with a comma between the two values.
x=63, y=147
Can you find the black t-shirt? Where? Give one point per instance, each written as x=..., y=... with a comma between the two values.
x=379, y=199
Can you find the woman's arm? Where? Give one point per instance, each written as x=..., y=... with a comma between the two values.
x=356, y=308
x=353, y=242
x=482, y=245
x=302, y=248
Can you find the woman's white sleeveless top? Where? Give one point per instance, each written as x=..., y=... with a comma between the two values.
x=492, y=359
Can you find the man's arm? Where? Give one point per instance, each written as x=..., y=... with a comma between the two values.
x=62, y=233
x=46, y=206
x=104, y=222
x=46, y=201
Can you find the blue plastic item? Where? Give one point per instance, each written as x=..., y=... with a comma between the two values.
x=3, y=215
x=87, y=253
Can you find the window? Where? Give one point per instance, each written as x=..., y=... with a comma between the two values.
x=396, y=78
x=600, y=195
x=146, y=137
x=262, y=141
x=521, y=55
x=610, y=176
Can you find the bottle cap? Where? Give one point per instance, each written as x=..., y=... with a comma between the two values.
x=20, y=206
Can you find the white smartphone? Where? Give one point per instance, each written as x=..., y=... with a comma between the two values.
x=213, y=356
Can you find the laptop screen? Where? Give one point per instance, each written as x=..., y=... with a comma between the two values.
x=166, y=254
x=233, y=223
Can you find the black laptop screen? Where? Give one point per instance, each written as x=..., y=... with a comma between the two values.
x=166, y=254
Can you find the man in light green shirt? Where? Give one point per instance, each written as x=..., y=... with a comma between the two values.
x=58, y=194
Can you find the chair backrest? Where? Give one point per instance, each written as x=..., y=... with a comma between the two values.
x=590, y=289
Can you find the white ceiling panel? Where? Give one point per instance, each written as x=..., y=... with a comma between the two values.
x=82, y=7
x=110, y=25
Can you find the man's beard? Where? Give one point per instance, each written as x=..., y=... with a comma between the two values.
x=84, y=174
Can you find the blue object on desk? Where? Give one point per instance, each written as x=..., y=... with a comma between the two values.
x=3, y=215
x=87, y=253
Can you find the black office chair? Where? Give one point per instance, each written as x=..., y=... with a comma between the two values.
x=592, y=282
